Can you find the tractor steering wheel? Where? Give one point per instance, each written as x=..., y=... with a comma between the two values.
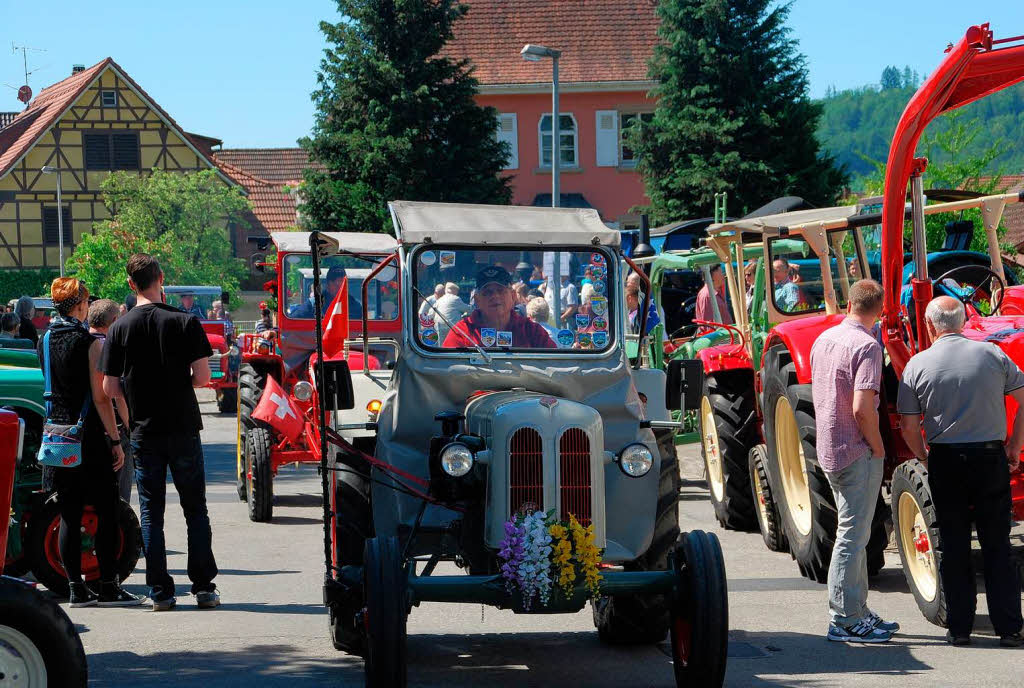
x=968, y=297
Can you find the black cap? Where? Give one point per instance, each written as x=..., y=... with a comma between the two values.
x=493, y=273
x=336, y=272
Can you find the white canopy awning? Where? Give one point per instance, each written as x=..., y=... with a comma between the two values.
x=515, y=225
x=772, y=223
x=356, y=242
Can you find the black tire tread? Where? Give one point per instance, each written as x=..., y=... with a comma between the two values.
x=260, y=497
x=731, y=395
x=912, y=476
x=49, y=629
x=771, y=529
x=707, y=608
x=387, y=611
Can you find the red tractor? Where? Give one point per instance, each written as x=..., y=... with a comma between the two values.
x=224, y=362
x=277, y=364
x=792, y=491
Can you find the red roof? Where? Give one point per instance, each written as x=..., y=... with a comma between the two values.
x=600, y=40
x=273, y=208
x=1013, y=215
x=270, y=164
x=18, y=137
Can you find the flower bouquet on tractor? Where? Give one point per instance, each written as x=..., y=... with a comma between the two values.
x=514, y=463
x=276, y=402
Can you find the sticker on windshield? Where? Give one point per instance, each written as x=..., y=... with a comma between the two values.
x=428, y=258
x=597, y=259
x=447, y=259
x=504, y=339
x=598, y=272
x=487, y=334
x=426, y=321
x=565, y=339
x=599, y=287
x=582, y=321
x=600, y=323
x=586, y=340
x=429, y=336
x=599, y=304
x=600, y=339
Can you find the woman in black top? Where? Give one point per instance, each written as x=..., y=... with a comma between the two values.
x=74, y=377
x=26, y=310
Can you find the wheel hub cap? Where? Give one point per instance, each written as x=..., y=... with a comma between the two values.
x=21, y=662
x=712, y=450
x=916, y=547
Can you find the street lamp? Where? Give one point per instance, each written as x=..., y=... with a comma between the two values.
x=60, y=216
x=535, y=53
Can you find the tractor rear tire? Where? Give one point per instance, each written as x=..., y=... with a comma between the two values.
x=259, y=475
x=917, y=539
x=768, y=519
x=248, y=394
x=39, y=639
x=802, y=491
x=353, y=526
x=700, y=617
x=227, y=400
x=728, y=430
x=645, y=619
x=44, y=555
x=386, y=612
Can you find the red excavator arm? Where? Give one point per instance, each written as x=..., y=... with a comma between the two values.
x=972, y=69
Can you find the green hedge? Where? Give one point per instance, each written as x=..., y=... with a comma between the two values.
x=15, y=283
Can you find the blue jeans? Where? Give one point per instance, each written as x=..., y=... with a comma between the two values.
x=184, y=456
x=856, y=492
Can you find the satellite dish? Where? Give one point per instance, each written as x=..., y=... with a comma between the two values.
x=25, y=94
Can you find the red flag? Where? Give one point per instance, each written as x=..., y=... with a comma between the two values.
x=336, y=329
x=276, y=410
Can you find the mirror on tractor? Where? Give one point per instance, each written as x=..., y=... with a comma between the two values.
x=684, y=384
x=338, y=394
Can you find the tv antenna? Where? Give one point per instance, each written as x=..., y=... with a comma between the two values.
x=25, y=91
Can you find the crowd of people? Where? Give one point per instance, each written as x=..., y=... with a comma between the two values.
x=128, y=371
x=953, y=418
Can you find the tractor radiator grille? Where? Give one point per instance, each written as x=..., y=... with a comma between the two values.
x=526, y=471
x=574, y=475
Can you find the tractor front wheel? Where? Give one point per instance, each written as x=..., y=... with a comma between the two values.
x=728, y=429
x=700, y=614
x=917, y=538
x=386, y=612
x=259, y=475
x=43, y=547
x=768, y=519
x=39, y=645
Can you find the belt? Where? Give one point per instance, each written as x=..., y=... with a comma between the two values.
x=962, y=446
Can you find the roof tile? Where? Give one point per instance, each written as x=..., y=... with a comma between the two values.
x=270, y=164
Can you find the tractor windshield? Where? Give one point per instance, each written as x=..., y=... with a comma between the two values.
x=796, y=283
x=504, y=299
x=382, y=295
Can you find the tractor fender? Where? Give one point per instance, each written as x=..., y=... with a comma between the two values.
x=799, y=336
x=724, y=357
x=1013, y=301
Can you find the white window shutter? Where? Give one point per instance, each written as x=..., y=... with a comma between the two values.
x=508, y=132
x=607, y=138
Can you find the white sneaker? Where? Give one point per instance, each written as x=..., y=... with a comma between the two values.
x=878, y=622
x=860, y=632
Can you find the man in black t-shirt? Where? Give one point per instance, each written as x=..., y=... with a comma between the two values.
x=162, y=354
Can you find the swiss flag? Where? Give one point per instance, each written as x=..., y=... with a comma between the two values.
x=276, y=410
x=336, y=330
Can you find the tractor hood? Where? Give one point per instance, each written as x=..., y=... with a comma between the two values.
x=799, y=336
x=1005, y=332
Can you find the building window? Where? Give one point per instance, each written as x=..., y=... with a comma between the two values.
x=108, y=99
x=508, y=132
x=627, y=120
x=111, y=151
x=51, y=228
x=567, y=149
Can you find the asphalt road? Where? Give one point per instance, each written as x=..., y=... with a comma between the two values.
x=272, y=629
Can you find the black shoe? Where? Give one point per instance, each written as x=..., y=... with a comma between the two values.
x=113, y=595
x=1015, y=640
x=958, y=640
x=82, y=596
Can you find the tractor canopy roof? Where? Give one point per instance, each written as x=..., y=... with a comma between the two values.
x=353, y=242
x=783, y=223
x=504, y=225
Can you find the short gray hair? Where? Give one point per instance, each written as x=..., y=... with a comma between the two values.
x=537, y=309
x=102, y=313
x=439, y=290
x=945, y=319
x=451, y=288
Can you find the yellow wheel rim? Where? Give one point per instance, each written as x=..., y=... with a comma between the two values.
x=792, y=467
x=917, y=547
x=712, y=450
x=762, y=503
x=240, y=448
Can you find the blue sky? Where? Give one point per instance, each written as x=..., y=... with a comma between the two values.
x=243, y=71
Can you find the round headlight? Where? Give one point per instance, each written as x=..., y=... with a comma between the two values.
x=303, y=391
x=636, y=460
x=456, y=460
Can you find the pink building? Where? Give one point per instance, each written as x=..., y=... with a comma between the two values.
x=606, y=46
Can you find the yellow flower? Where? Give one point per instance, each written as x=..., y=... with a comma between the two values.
x=557, y=531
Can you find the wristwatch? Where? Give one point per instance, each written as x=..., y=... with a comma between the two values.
x=111, y=442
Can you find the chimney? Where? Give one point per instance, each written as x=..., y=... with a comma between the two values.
x=77, y=68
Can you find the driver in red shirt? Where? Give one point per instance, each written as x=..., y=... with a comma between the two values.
x=493, y=323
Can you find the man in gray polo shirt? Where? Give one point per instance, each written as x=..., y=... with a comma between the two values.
x=956, y=391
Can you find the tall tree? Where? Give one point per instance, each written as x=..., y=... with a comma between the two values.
x=733, y=112
x=891, y=78
x=395, y=119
